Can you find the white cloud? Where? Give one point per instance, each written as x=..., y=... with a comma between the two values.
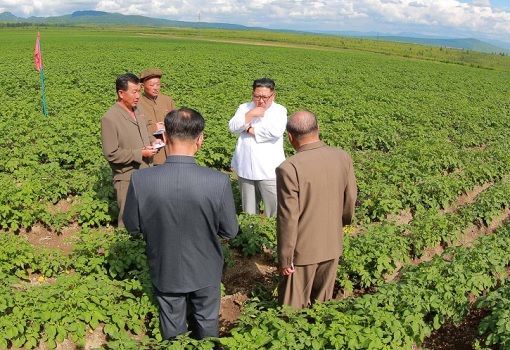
x=481, y=3
x=440, y=17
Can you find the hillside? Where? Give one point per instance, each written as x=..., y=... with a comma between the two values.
x=465, y=44
x=100, y=17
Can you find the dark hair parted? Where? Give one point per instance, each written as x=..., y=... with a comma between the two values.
x=302, y=123
x=184, y=124
x=263, y=82
x=123, y=81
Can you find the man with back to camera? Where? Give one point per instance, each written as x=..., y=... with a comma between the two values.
x=259, y=149
x=182, y=209
x=316, y=197
x=156, y=107
x=127, y=146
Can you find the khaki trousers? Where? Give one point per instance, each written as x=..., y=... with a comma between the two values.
x=121, y=188
x=308, y=284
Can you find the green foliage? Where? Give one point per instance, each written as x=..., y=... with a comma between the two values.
x=257, y=234
x=421, y=133
x=370, y=256
x=497, y=324
x=429, y=229
x=52, y=312
x=116, y=254
x=20, y=259
x=228, y=254
x=104, y=281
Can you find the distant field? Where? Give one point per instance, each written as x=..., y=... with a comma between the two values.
x=424, y=125
x=379, y=107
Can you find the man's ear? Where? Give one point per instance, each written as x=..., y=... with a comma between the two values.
x=200, y=140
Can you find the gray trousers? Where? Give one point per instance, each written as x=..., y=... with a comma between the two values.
x=252, y=191
x=196, y=311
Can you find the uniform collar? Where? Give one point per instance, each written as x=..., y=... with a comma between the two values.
x=313, y=145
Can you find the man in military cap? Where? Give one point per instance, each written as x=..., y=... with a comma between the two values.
x=156, y=106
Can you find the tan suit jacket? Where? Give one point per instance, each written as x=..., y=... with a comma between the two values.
x=316, y=191
x=123, y=139
x=155, y=111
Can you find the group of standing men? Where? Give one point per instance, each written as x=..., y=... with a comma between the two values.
x=182, y=208
x=127, y=130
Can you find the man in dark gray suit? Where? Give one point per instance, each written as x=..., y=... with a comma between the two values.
x=182, y=209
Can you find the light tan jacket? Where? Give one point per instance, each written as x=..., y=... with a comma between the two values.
x=155, y=111
x=123, y=139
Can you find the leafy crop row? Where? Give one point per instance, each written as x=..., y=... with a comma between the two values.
x=398, y=315
x=105, y=281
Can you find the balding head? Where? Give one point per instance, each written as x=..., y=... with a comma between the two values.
x=303, y=127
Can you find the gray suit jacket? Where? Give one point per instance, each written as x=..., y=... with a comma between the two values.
x=316, y=191
x=181, y=208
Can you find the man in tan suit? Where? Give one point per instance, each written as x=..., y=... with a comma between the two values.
x=316, y=191
x=156, y=106
x=127, y=146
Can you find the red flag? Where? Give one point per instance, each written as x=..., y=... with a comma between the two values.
x=37, y=53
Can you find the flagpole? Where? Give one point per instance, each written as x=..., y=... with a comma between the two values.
x=41, y=77
x=39, y=67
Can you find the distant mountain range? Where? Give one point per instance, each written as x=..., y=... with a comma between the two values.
x=490, y=46
x=99, y=17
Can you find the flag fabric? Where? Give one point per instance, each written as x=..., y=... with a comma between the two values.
x=39, y=67
x=37, y=53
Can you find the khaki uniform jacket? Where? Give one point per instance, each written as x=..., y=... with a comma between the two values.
x=316, y=191
x=123, y=139
x=155, y=111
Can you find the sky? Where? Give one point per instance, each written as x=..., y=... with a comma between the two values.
x=480, y=19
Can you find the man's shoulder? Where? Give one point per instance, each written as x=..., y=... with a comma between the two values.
x=278, y=108
x=111, y=112
x=143, y=101
x=116, y=114
x=337, y=152
x=165, y=98
x=312, y=151
x=196, y=168
x=246, y=105
x=145, y=172
x=287, y=163
x=212, y=172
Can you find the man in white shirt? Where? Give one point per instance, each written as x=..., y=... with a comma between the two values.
x=259, y=149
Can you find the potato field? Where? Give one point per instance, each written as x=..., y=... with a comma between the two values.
x=428, y=130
